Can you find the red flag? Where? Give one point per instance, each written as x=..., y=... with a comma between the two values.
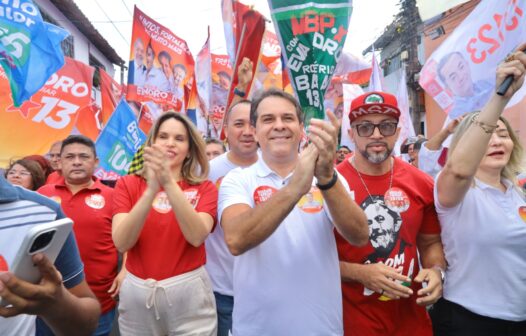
x=111, y=94
x=250, y=28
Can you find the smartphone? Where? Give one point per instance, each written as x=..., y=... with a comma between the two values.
x=45, y=238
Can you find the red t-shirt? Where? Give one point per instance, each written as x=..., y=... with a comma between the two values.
x=54, y=178
x=91, y=211
x=162, y=251
x=395, y=219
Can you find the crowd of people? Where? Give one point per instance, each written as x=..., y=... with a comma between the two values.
x=268, y=239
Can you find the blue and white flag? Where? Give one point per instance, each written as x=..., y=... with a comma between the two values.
x=118, y=142
x=29, y=48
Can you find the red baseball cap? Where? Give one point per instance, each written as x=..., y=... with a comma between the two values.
x=374, y=103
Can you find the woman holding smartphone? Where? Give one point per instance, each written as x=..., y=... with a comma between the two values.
x=161, y=219
x=482, y=211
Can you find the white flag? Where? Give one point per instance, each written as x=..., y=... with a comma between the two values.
x=405, y=122
x=375, y=83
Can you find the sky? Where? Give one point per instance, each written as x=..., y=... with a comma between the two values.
x=189, y=19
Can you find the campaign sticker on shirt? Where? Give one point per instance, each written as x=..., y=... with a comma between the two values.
x=218, y=182
x=3, y=264
x=95, y=201
x=522, y=213
x=192, y=196
x=311, y=202
x=56, y=199
x=263, y=194
x=396, y=199
x=161, y=203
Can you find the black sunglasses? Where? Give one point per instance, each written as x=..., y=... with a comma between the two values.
x=366, y=129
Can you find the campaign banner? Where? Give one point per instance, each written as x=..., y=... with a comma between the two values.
x=29, y=48
x=249, y=31
x=352, y=69
x=405, y=123
x=203, y=75
x=49, y=115
x=221, y=79
x=311, y=36
x=269, y=71
x=118, y=142
x=89, y=120
x=111, y=93
x=460, y=74
x=376, y=82
x=161, y=65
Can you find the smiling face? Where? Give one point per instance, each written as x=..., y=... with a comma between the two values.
x=376, y=148
x=239, y=132
x=150, y=57
x=173, y=137
x=278, y=129
x=139, y=53
x=165, y=66
x=457, y=76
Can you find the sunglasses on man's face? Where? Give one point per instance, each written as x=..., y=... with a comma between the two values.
x=366, y=129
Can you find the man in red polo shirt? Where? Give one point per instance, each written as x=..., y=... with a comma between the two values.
x=89, y=203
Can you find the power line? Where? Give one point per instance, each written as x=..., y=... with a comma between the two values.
x=118, y=31
x=124, y=3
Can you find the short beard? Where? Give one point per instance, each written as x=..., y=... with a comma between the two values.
x=377, y=158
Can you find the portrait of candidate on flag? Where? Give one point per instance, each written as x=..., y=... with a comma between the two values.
x=459, y=75
x=161, y=65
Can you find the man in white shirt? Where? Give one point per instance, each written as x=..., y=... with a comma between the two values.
x=137, y=70
x=286, y=273
x=219, y=262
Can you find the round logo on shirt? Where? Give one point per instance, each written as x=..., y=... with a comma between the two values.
x=396, y=199
x=522, y=213
x=3, y=264
x=218, y=182
x=192, y=196
x=95, y=201
x=160, y=203
x=56, y=199
x=263, y=194
x=311, y=202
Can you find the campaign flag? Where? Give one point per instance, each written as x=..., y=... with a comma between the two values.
x=460, y=74
x=311, y=36
x=352, y=69
x=350, y=91
x=269, y=71
x=230, y=28
x=49, y=115
x=89, y=120
x=249, y=36
x=432, y=8
x=29, y=48
x=221, y=79
x=376, y=80
x=405, y=123
x=204, y=86
x=111, y=93
x=161, y=65
x=118, y=142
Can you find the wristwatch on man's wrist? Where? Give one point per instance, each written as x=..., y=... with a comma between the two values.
x=442, y=272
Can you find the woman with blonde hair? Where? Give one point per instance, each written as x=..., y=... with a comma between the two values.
x=161, y=219
x=482, y=212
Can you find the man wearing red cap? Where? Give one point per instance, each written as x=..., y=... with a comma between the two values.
x=382, y=283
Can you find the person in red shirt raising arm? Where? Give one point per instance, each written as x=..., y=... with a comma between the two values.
x=161, y=219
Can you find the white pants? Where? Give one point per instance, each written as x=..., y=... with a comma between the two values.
x=181, y=305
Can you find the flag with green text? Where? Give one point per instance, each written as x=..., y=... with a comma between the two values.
x=312, y=35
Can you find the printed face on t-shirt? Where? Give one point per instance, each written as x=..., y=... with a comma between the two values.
x=384, y=224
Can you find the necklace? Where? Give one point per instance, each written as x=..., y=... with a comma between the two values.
x=376, y=205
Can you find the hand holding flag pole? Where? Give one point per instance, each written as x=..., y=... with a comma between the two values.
x=505, y=85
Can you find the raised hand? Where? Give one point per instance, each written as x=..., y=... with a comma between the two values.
x=324, y=135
